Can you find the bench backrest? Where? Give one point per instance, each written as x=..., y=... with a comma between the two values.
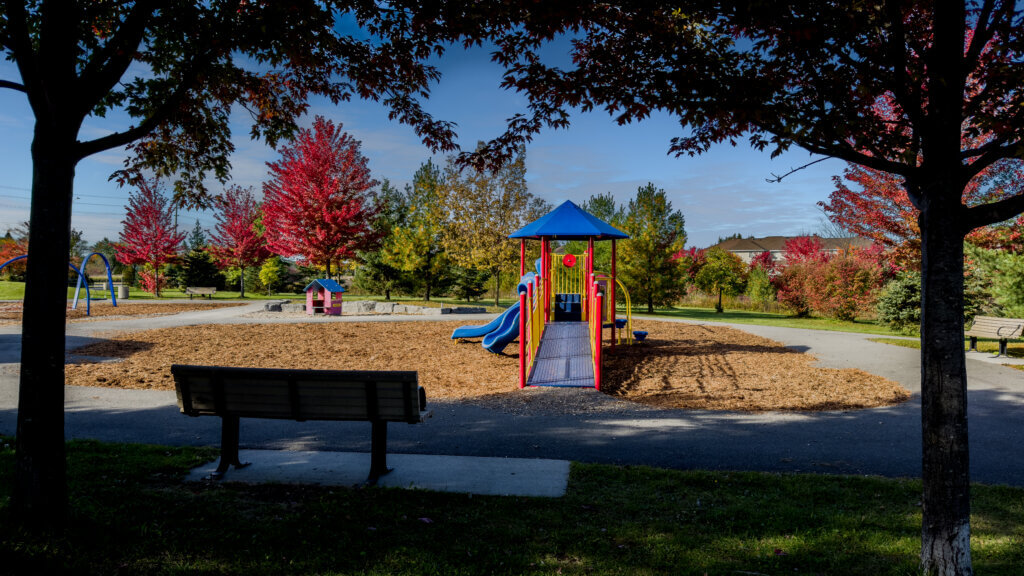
x=993, y=327
x=200, y=290
x=299, y=394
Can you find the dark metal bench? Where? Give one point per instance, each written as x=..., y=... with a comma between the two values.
x=992, y=327
x=207, y=291
x=233, y=393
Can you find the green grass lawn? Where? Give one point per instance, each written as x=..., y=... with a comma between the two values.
x=133, y=515
x=1014, y=349
x=768, y=319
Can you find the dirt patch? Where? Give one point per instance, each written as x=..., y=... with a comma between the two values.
x=679, y=366
x=10, y=312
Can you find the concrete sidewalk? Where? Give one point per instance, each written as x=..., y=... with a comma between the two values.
x=463, y=474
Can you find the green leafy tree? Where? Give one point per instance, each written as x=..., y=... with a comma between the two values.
x=899, y=305
x=481, y=209
x=1003, y=272
x=722, y=273
x=649, y=267
x=273, y=274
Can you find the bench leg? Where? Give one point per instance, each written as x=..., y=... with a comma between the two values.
x=974, y=344
x=228, y=447
x=378, y=451
x=1002, y=349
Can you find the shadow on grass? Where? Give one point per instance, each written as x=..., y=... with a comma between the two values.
x=132, y=514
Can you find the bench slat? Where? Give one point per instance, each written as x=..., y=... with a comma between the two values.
x=318, y=394
x=994, y=327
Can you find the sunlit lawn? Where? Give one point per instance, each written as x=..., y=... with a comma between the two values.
x=1014, y=349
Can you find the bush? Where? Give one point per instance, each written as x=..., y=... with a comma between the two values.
x=792, y=288
x=760, y=289
x=899, y=306
x=844, y=287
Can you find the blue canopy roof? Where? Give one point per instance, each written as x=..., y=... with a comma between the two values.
x=327, y=284
x=569, y=222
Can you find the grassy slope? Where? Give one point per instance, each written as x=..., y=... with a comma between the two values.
x=132, y=514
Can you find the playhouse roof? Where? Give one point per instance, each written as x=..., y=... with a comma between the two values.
x=326, y=284
x=569, y=222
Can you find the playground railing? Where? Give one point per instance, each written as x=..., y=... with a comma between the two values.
x=627, y=335
x=595, y=326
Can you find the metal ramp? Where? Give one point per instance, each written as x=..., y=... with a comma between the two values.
x=564, y=357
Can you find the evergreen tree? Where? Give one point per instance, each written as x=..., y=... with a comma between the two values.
x=416, y=245
x=648, y=264
x=601, y=206
x=196, y=238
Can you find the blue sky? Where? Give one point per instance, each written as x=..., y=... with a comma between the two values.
x=721, y=192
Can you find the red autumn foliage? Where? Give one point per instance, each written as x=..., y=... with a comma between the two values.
x=766, y=262
x=319, y=205
x=148, y=236
x=236, y=241
x=691, y=259
x=846, y=286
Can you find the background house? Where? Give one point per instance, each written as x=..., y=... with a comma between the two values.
x=748, y=248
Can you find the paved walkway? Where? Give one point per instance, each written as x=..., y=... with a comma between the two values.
x=882, y=441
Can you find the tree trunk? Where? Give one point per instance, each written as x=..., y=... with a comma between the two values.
x=945, y=538
x=40, y=489
x=328, y=269
x=650, y=304
x=241, y=284
x=497, y=287
x=719, y=309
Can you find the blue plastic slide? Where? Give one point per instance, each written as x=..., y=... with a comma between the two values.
x=505, y=333
x=478, y=331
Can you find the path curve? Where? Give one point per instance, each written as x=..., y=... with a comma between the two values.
x=882, y=441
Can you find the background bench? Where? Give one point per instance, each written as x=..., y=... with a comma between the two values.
x=207, y=291
x=992, y=327
x=233, y=393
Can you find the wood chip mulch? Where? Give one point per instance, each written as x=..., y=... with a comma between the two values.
x=680, y=366
x=10, y=312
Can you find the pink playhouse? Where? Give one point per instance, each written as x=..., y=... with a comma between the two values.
x=324, y=295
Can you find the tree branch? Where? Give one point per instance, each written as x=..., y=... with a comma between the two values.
x=108, y=65
x=20, y=45
x=776, y=178
x=13, y=86
x=986, y=214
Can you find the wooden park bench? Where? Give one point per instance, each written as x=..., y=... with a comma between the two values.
x=233, y=393
x=207, y=291
x=992, y=327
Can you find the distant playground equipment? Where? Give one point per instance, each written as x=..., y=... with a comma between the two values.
x=81, y=278
x=564, y=307
x=320, y=297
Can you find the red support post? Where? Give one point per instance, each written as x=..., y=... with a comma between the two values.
x=523, y=319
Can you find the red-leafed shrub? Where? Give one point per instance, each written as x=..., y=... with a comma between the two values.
x=844, y=287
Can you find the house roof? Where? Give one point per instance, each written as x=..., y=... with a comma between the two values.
x=569, y=222
x=777, y=243
x=326, y=284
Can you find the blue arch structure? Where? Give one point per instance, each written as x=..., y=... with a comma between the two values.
x=80, y=278
x=78, y=286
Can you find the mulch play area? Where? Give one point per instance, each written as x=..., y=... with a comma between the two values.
x=10, y=312
x=679, y=366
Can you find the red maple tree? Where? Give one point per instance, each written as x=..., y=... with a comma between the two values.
x=148, y=236
x=236, y=241
x=319, y=205
x=874, y=204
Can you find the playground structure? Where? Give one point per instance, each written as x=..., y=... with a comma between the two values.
x=81, y=278
x=320, y=296
x=564, y=307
